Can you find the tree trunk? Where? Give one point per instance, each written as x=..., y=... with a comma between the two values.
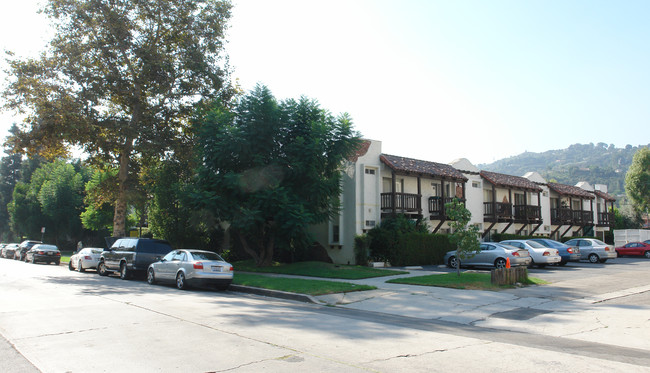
x=119, y=216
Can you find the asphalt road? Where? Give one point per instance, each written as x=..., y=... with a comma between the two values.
x=53, y=320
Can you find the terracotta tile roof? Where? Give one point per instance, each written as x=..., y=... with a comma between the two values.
x=570, y=190
x=424, y=168
x=362, y=149
x=605, y=196
x=509, y=181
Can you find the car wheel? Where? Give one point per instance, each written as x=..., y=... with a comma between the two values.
x=452, y=262
x=80, y=266
x=647, y=254
x=125, y=274
x=101, y=269
x=151, y=276
x=70, y=266
x=180, y=281
x=500, y=263
x=593, y=258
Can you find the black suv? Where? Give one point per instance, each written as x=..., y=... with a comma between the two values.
x=131, y=255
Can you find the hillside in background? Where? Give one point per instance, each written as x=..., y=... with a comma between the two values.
x=596, y=164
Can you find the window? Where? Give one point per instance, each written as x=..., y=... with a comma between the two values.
x=336, y=233
x=476, y=184
x=370, y=223
x=370, y=171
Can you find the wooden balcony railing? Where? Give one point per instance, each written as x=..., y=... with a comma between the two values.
x=437, y=207
x=497, y=211
x=606, y=218
x=528, y=213
x=566, y=216
x=404, y=202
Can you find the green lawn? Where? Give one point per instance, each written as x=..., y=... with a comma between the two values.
x=318, y=269
x=467, y=280
x=293, y=285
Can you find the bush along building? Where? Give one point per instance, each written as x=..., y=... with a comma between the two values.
x=377, y=185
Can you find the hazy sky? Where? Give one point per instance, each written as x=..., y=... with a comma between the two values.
x=439, y=80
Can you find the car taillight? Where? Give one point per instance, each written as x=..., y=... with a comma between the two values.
x=231, y=269
x=87, y=258
x=41, y=253
x=546, y=253
x=57, y=254
x=514, y=253
x=198, y=265
x=606, y=248
x=569, y=250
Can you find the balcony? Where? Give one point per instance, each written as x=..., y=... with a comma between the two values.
x=567, y=216
x=497, y=211
x=403, y=202
x=606, y=219
x=528, y=214
x=437, y=207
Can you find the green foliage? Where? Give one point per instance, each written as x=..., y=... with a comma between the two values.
x=100, y=194
x=53, y=199
x=463, y=235
x=317, y=269
x=120, y=79
x=637, y=180
x=297, y=285
x=362, y=249
x=270, y=169
x=402, y=241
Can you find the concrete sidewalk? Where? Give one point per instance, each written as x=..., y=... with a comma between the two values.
x=560, y=310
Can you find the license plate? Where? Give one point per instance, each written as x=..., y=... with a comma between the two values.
x=216, y=269
x=50, y=253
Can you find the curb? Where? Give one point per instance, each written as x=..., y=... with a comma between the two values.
x=274, y=294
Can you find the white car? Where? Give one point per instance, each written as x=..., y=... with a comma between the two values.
x=191, y=267
x=86, y=258
x=540, y=254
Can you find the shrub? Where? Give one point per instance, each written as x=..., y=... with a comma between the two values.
x=421, y=249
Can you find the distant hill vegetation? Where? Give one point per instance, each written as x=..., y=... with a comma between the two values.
x=596, y=164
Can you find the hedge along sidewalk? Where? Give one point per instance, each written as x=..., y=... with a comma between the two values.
x=318, y=269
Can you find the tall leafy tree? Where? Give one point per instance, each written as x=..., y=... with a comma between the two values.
x=637, y=180
x=10, y=174
x=120, y=79
x=271, y=169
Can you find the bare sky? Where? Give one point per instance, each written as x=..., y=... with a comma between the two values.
x=439, y=80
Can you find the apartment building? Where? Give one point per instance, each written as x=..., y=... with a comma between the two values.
x=376, y=185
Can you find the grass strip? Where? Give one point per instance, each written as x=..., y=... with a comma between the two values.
x=318, y=269
x=466, y=280
x=300, y=286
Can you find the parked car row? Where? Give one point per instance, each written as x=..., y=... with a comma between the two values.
x=32, y=251
x=161, y=263
x=131, y=256
x=541, y=252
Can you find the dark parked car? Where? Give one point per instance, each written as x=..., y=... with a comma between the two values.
x=568, y=253
x=21, y=251
x=43, y=253
x=131, y=255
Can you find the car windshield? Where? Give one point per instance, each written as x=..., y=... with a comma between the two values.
x=202, y=255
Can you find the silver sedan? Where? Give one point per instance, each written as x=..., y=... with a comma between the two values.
x=491, y=254
x=191, y=268
x=593, y=250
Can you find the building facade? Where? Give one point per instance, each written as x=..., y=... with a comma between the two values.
x=377, y=185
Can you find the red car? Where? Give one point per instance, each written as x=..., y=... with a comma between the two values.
x=634, y=248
